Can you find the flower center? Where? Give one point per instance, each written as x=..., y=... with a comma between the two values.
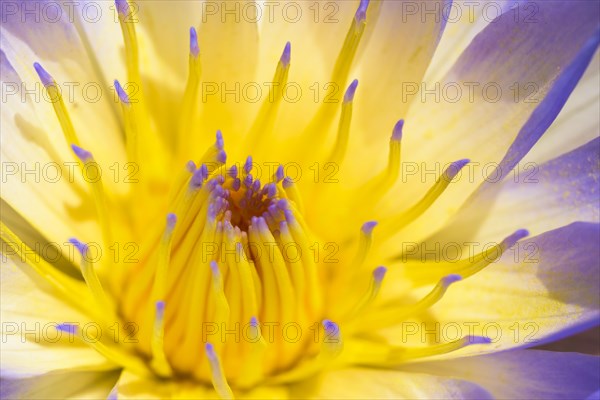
x=233, y=271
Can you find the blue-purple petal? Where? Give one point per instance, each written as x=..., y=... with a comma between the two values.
x=525, y=374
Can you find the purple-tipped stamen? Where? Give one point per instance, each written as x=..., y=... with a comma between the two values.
x=211, y=184
x=212, y=212
x=248, y=165
x=450, y=279
x=262, y=224
x=218, y=191
x=197, y=178
x=204, y=171
x=282, y=204
x=253, y=320
x=248, y=181
x=160, y=309
x=222, y=156
x=368, y=227
x=455, y=168
x=121, y=93
x=71, y=329
x=271, y=190
x=349, y=95
x=233, y=172
x=82, y=154
x=287, y=182
x=397, y=132
x=289, y=216
x=194, y=48
x=190, y=166
x=330, y=327
x=279, y=174
x=287, y=54
x=220, y=143
x=45, y=77
x=171, y=221
x=237, y=184
x=80, y=246
x=256, y=185
x=361, y=12
x=511, y=240
x=214, y=267
x=210, y=350
x=122, y=7
x=379, y=273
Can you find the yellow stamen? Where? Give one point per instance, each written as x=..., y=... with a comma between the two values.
x=266, y=116
x=341, y=144
x=252, y=371
x=399, y=355
x=217, y=375
x=126, y=21
x=342, y=67
x=58, y=104
x=292, y=193
x=92, y=281
x=389, y=316
x=164, y=255
x=159, y=359
x=372, y=292
x=95, y=182
x=131, y=124
x=125, y=360
x=189, y=104
x=394, y=224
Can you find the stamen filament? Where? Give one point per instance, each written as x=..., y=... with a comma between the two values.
x=365, y=243
x=189, y=104
x=292, y=193
x=95, y=183
x=389, y=316
x=399, y=355
x=382, y=183
x=222, y=310
x=217, y=375
x=465, y=267
x=341, y=145
x=131, y=124
x=58, y=104
x=372, y=292
x=116, y=356
x=252, y=370
x=91, y=279
x=263, y=124
x=396, y=223
x=341, y=70
x=126, y=21
x=164, y=256
x=348, y=51
x=159, y=359
x=331, y=348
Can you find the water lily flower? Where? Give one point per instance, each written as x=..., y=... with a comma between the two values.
x=298, y=199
